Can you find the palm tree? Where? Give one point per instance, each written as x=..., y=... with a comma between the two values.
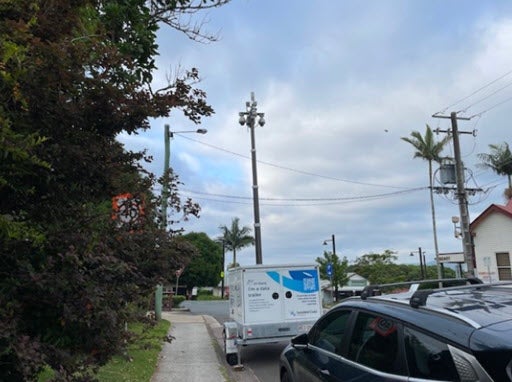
x=500, y=161
x=236, y=237
x=430, y=150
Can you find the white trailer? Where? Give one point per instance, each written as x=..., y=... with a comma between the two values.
x=270, y=303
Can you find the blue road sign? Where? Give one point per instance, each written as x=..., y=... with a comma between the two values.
x=329, y=269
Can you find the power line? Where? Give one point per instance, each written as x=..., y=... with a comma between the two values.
x=484, y=98
x=292, y=169
x=490, y=108
x=281, y=204
x=475, y=92
x=318, y=201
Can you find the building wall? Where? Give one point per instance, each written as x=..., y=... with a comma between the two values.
x=493, y=234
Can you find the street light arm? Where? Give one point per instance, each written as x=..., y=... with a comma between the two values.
x=333, y=241
x=198, y=131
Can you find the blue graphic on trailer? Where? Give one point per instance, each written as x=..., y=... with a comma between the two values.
x=304, y=281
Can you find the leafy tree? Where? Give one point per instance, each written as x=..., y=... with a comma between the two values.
x=375, y=267
x=74, y=75
x=386, y=258
x=339, y=270
x=428, y=149
x=499, y=160
x=203, y=269
x=236, y=237
x=381, y=269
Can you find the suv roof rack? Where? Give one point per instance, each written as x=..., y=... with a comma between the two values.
x=419, y=297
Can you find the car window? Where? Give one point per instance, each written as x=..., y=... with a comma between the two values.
x=428, y=358
x=329, y=332
x=374, y=343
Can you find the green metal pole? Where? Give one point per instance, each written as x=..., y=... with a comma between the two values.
x=158, y=302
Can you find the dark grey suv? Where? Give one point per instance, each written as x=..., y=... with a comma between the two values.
x=458, y=333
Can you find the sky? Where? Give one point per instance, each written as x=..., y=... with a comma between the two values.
x=340, y=82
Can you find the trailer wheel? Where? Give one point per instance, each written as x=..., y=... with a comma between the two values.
x=231, y=359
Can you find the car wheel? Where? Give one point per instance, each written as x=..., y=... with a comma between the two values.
x=285, y=377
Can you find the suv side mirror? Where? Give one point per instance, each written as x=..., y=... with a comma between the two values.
x=300, y=341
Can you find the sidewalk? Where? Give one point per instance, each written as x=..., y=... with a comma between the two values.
x=196, y=352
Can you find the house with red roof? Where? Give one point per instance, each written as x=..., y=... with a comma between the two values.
x=492, y=239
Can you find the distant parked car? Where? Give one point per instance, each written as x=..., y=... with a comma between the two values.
x=461, y=333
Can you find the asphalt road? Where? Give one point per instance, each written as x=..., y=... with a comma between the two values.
x=217, y=309
x=262, y=359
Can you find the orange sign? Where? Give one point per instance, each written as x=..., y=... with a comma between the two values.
x=127, y=209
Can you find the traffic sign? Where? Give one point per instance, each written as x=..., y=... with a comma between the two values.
x=329, y=269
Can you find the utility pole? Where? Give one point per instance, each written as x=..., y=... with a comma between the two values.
x=461, y=190
x=249, y=117
x=423, y=264
x=165, y=196
x=165, y=185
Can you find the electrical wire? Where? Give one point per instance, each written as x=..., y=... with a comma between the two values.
x=484, y=98
x=317, y=201
x=331, y=201
x=292, y=169
x=490, y=108
x=475, y=92
x=362, y=197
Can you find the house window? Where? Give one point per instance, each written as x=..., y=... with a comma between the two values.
x=503, y=261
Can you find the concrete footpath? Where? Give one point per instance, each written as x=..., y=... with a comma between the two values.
x=196, y=353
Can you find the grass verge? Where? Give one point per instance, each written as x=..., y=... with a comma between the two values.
x=143, y=356
x=139, y=364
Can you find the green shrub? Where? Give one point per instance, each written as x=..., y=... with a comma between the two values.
x=204, y=292
x=177, y=300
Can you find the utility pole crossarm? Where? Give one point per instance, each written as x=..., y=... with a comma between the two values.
x=449, y=117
